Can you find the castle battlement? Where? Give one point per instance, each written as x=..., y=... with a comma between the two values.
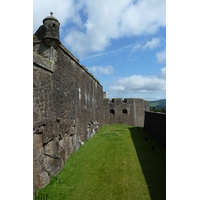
x=126, y=100
x=129, y=111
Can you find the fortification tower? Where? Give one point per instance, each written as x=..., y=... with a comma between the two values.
x=51, y=31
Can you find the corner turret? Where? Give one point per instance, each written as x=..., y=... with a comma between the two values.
x=51, y=31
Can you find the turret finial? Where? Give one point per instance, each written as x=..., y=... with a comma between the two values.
x=51, y=13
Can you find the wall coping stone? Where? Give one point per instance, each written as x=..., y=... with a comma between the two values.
x=42, y=62
x=77, y=61
x=62, y=47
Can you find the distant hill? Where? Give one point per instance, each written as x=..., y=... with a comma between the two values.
x=158, y=104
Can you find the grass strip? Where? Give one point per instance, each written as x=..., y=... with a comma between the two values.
x=119, y=162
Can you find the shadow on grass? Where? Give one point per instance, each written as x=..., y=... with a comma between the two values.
x=152, y=158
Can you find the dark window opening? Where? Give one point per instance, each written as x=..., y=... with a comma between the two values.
x=53, y=25
x=125, y=111
x=112, y=112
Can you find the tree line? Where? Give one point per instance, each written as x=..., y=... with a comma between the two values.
x=154, y=109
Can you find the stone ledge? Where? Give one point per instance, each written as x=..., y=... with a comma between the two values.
x=69, y=53
x=77, y=61
x=42, y=62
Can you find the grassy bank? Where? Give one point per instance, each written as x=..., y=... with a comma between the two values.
x=119, y=162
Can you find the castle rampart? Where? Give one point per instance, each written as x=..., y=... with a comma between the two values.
x=69, y=105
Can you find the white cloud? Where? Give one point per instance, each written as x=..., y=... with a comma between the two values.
x=161, y=57
x=136, y=47
x=143, y=17
x=96, y=22
x=138, y=84
x=96, y=70
x=162, y=74
x=152, y=44
x=88, y=25
x=155, y=42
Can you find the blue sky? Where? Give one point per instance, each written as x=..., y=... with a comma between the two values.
x=123, y=43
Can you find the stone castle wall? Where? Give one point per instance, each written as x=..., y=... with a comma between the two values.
x=128, y=111
x=69, y=105
x=67, y=109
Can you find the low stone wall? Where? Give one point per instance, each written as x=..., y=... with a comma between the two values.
x=128, y=111
x=155, y=124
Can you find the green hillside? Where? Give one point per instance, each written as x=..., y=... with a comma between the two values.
x=158, y=104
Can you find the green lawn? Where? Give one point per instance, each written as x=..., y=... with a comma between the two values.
x=118, y=163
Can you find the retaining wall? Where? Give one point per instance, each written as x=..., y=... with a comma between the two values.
x=155, y=124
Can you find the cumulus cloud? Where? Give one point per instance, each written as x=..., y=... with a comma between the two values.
x=161, y=57
x=96, y=22
x=138, y=83
x=97, y=70
x=141, y=84
x=143, y=17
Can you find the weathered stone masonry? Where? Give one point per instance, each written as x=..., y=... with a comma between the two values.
x=68, y=104
x=128, y=111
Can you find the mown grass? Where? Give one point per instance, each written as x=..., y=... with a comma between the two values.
x=117, y=163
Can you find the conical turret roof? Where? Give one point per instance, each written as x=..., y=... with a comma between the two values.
x=51, y=18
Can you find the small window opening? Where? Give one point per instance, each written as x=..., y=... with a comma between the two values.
x=112, y=112
x=125, y=111
x=53, y=25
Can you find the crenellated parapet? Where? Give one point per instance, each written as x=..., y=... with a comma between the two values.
x=129, y=111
